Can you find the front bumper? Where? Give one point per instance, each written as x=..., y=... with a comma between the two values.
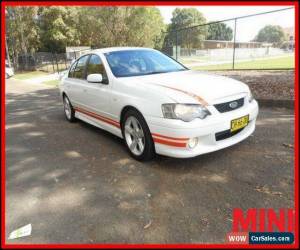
x=171, y=136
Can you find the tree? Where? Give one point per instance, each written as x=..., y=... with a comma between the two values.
x=58, y=28
x=51, y=29
x=129, y=26
x=271, y=34
x=89, y=27
x=187, y=38
x=22, y=30
x=219, y=31
x=182, y=18
x=120, y=26
x=145, y=26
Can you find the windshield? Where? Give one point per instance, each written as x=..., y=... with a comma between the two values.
x=126, y=63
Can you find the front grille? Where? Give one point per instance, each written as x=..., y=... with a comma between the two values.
x=226, y=134
x=226, y=106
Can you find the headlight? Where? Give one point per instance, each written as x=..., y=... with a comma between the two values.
x=185, y=112
x=250, y=97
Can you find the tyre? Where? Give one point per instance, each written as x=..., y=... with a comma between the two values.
x=68, y=108
x=137, y=136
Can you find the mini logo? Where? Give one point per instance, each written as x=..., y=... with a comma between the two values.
x=233, y=105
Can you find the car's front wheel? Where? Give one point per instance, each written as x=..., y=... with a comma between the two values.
x=137, y=136
x=68, y=108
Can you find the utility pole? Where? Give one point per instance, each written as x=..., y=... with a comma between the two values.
x=7, y=54
x=6, y=44
x=176, y=44
x=234, y=40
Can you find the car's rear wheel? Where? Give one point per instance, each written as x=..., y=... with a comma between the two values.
x=68, y=108
x=137, y=136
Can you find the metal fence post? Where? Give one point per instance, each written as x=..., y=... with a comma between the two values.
x=234, y=41
x=56, y=62
x=176, y=41
x=52, y=57
x=65, y=57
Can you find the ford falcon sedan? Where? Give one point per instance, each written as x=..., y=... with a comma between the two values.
x=156, y=104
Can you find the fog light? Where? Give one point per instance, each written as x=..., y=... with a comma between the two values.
x=193, y=142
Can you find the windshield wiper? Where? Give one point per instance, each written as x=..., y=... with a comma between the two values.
x=152, y=73
x=156, y=72
x=160, y=72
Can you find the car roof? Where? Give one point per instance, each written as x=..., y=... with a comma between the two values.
x=111, y=49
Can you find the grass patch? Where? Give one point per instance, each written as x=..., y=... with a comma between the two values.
x=29, y=75
x=51, y=82
x=269, y=63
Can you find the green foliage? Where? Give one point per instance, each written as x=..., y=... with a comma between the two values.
x=219, y=31
x=188, y=38
x=122, y=26
x=22, y=30
x=186, y=17
x=58, y=28
x=53, y=28
x=271, y=34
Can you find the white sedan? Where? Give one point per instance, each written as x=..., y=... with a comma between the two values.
x=156, y=104
x=9, y=71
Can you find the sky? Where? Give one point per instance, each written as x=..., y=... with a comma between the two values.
x=247, y=28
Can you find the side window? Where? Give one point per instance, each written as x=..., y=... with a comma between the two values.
x=71, y=72
x=95, y=66
x=79, y=71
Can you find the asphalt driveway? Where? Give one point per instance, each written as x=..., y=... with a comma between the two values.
x=76, y=183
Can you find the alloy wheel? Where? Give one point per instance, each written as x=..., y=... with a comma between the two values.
x=134, y=136
x=67, y=107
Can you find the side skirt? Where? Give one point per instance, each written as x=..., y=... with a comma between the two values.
x=98, y=123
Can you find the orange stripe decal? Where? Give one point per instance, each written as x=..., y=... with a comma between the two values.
x=171, y=138
x=198, y=98
x=170, y=143
x=99, y=117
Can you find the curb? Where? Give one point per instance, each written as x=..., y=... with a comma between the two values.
x=289, y=104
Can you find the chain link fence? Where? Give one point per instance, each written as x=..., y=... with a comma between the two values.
x=245, y=42
x=259, y=41
x=47, y=61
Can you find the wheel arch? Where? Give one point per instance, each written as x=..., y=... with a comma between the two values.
x=149, y=150
x=127, y=108
x=63, y=94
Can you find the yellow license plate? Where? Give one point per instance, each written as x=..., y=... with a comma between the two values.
x=239, y=123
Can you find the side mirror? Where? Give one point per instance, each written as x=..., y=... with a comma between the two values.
x=96, y=78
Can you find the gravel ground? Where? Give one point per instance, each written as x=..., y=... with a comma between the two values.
x=76, y=183
x=266, y=84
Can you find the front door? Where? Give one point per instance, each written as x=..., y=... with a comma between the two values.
x=97, y=95
x=76, y=81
